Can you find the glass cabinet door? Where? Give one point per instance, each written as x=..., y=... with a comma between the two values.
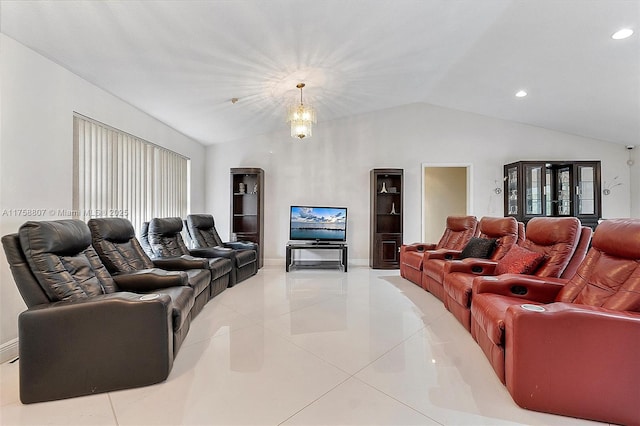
x=563, y=191
x=585, y=190
x=533, y=184
x=512, y=191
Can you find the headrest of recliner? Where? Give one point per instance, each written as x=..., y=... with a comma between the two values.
x=618, y=237
x=165, y=226
x=461, y=223
x=547, y=231
x=200, y=221
x=498, y=226
x=62, y=237
x=114, y=229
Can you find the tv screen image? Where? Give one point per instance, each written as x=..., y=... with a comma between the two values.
x=318, y=223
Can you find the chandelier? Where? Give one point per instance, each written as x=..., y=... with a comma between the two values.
x=302, y=118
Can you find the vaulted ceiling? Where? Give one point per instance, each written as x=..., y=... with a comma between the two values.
x=183, y=61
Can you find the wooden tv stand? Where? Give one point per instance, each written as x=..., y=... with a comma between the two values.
x=292, y=246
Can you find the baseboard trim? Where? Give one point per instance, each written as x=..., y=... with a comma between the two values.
x=8, y=350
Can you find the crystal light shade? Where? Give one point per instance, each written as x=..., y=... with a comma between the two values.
x=302, y=118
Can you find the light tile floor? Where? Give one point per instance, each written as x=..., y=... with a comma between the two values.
x=307, y=348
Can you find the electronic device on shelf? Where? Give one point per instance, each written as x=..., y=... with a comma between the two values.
x=318, y=225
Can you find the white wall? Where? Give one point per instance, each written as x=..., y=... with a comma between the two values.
x=38, y=98
x=332, y=168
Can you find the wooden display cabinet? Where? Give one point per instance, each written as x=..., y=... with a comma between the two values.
x=386, y=218
x=247, y=207
x=553, y=189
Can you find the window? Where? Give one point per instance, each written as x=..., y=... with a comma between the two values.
x=119, y=175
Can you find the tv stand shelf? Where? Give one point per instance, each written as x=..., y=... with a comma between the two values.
x=292, y=246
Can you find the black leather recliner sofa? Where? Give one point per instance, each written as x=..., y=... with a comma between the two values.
x=164, y=244
x=86, y=331
x=206, y=242
x=115, y=241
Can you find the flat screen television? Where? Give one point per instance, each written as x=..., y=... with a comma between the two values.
x=318, y=223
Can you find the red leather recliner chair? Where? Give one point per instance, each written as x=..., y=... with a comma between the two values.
x=459, y=274
x=457, y=233
x=573, y=349
x=558, y=239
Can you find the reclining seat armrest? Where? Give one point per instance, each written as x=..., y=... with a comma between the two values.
x=526, y=287
x=241, y=245
x=213, y=252
x=442, y=254
x=119, y=340
x=552, y=353
x=419, y=247
x=181, y=263
x=471, y=265
x=146, y=280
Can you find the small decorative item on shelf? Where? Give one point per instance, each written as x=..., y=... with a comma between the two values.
x=255, y=188
x=241, y=188
x=393, y=208
x=384, y=188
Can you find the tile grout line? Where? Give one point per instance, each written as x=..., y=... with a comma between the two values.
x=113, y=409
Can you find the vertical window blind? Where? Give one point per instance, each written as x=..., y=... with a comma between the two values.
x=119, y=175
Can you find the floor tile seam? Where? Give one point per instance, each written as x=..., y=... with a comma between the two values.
x=315, y=400
x=398, y=400
x=279, y=334
x=113, y=409
x=391, y=348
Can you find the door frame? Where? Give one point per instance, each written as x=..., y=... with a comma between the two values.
x=424, y=166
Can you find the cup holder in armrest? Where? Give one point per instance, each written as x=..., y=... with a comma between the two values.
x=533, y=308
x=519, y=290
x=477, y=269
x=150, y=296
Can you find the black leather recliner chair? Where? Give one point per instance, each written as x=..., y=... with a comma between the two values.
x=115, y=242
x=206, y=243
x=165, y=246
x=84, y=331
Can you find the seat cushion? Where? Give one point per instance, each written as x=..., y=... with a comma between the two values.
x=489, y=311
x=413, y=259
x=458, y=287
x=219, y=266
x=199, y=279
x=434, y=268
x=245, y=257
x=182, y=300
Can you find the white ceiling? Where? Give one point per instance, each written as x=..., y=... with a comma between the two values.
x=183, y=61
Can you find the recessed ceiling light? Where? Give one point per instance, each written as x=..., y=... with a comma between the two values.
x=622, y=34
x=521, y=94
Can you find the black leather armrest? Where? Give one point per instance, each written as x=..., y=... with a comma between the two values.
x=150, y=279
x=213, y=252
x=181, y=263
x=105, y=343
x=241, y=245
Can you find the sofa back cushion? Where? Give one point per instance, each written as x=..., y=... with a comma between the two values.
x=609, y=275
x=63, y=261
x=203, y=231
x=114, y=240
x=458, y=232
x=165, y=239
x=503, y=229
x=556, y=238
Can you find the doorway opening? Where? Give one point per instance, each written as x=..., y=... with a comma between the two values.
x=445, y=192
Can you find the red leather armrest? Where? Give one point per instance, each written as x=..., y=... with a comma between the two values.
x=574, y=360
x=526, y=287
x=421, y=247
x=471, y=266
x=444, y=254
